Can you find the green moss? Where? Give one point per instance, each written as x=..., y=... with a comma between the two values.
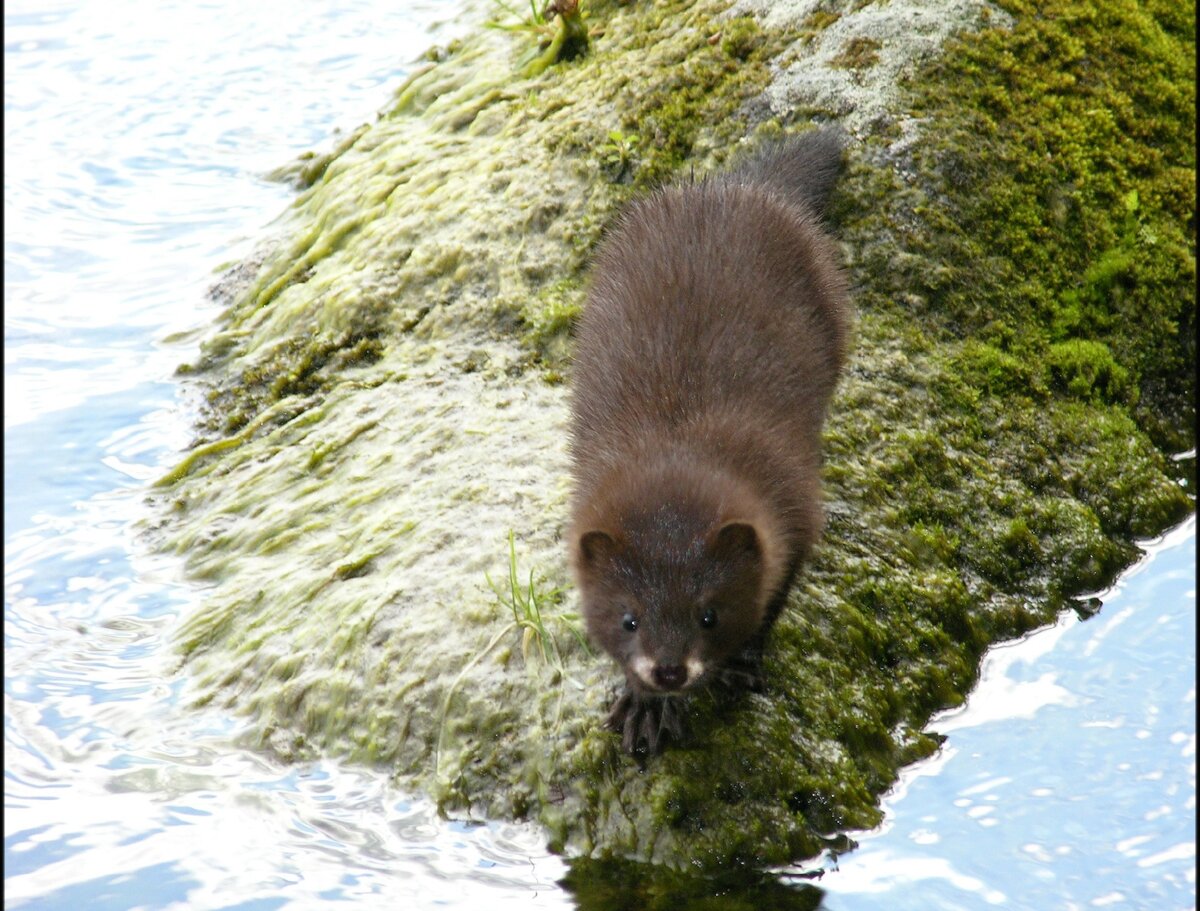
x=549, y=320
x=698, y=91
x=1063, y=200
x=741, y=38
x=1086, y=369
x=819, y=20
x=310, y=167
x=995, y=372
x=354, y=568
x=299, y=368
x=857, y=53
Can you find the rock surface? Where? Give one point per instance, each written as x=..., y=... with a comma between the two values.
x=386, y=402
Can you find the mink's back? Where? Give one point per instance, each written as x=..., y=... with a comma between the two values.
x=717, y=314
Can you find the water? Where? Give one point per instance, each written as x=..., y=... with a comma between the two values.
x=136, y=138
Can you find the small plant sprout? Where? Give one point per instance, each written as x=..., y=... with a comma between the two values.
x=564, y=41
x=618, y=153
x=525, y=602
x=535, y=23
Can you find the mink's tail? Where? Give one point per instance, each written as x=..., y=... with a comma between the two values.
x=804, y=168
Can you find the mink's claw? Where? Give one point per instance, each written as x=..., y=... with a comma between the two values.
x=645, y=723
x=743, y=672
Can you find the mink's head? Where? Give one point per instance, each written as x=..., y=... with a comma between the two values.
x=671, y=589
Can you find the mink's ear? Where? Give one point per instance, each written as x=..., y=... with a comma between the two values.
x=596, y=547
x=737, y=541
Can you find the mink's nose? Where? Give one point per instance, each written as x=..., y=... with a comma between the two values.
x=670, y=677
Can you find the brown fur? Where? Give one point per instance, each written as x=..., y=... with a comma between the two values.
x=711, y=342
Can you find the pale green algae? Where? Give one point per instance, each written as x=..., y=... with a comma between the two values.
x=385, y=408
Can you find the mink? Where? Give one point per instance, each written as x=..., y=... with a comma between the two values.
x=714, y=330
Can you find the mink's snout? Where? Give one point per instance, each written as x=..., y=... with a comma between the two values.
x=670, y=676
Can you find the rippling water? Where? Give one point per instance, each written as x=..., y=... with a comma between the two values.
x=136, y=137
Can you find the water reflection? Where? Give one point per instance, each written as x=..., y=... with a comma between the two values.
x=622, y=886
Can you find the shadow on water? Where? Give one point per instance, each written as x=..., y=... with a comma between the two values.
x=618, y=885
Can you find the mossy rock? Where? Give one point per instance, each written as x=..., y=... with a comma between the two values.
x=385, y=407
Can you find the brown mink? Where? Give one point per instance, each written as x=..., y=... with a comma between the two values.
x=714, y=330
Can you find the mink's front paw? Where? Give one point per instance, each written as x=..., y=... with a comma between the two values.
x=645, y=723
x=743, y=672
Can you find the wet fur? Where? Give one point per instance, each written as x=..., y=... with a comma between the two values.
x=714, y=332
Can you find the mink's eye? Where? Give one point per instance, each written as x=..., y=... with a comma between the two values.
x=629, y=623
x=709, y=620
